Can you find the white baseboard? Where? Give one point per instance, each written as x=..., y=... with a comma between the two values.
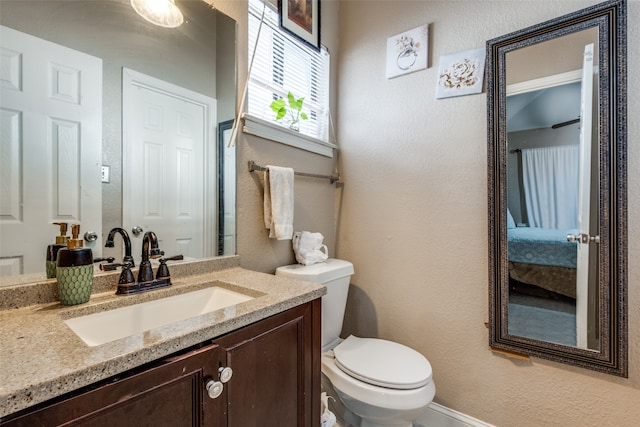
x=441, y=416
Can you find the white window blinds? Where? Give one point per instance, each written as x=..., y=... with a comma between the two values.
x=283, y=64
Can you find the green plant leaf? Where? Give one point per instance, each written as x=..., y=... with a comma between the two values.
x=277, y=105
x=292, y=101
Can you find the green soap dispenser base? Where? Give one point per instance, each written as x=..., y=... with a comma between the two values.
x=74, y=272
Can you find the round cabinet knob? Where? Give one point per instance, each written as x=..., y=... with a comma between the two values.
x=137, y=230
x=225, y=374
x=90, y=236
x=214, y=388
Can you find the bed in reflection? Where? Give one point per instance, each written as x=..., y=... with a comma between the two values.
x=543, y=258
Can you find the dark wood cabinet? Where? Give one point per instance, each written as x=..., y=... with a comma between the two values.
x=168, y=393
x=276, y=370
x=275, y=382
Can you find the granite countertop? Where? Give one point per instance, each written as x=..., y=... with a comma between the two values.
x=42, y=358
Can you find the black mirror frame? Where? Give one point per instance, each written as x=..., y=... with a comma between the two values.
x=611, y=358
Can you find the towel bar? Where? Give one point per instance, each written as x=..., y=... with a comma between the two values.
x=333, y=178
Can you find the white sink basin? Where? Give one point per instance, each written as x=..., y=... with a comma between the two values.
x=111, y=325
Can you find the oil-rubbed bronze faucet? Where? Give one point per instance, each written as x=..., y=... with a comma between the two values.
x=127, y=285
x=127, y=244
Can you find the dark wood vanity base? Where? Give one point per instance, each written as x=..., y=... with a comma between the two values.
x=276, y=379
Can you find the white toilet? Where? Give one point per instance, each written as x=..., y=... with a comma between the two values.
x=382, y=382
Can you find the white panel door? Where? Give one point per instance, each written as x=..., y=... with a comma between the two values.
x=584, y=199
x=50, y=149
x=168, y=166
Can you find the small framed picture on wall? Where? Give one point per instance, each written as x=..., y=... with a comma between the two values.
x=461, y=73
x=407, y=52
x=301, y=18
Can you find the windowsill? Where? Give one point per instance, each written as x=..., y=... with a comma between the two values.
x=258, y=127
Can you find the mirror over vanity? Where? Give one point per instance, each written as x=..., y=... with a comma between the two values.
x=128, y=130
x=556, y=98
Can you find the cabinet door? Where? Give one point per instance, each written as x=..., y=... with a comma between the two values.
x=276, y=370
x=170, y=393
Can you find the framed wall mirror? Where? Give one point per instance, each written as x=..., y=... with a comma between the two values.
x=556, y=98
x=54, y=160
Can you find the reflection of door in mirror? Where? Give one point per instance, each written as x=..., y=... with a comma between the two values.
x=50, y=147
x=199, y=56
x=168, y=163
x=226, y=190
x=585, y=235
x=552, y=290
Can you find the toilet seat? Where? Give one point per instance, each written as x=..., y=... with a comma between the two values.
x=353, y=390
x=382, y=363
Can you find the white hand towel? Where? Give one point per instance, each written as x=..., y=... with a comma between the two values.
x=278, y=202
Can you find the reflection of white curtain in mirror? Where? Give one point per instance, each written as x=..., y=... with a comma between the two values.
x=550, y=179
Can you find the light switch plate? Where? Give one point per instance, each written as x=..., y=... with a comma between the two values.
x=106, y=170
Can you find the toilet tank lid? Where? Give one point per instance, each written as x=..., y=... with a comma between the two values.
x=321, y=272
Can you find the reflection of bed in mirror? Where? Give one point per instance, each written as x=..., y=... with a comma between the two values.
x=544, y=258
x=546, y=196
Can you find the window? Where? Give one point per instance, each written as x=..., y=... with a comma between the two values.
x=282, y=64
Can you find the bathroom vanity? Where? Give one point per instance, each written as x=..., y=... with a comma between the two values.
x=173, y=374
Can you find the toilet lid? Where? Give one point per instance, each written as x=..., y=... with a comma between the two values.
x=382, y=363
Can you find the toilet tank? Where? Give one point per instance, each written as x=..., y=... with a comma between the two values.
x=335, y=274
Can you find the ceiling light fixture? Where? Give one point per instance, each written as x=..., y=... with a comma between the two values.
x=164, y=13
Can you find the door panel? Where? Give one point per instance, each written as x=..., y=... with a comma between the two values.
x=51, y=145
x=167, y=153
x=274, y=365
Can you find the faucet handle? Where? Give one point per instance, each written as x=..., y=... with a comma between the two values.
x=126, y=277
x=163, y=270
x=111, y=266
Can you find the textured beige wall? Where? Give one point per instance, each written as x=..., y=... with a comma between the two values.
x=414, y=216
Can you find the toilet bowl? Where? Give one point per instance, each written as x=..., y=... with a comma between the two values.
x=381, y=382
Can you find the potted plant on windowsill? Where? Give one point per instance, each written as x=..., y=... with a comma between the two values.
x=294, y=110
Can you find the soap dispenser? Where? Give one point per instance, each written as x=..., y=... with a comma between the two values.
x=74, y=270
x=52, y=250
